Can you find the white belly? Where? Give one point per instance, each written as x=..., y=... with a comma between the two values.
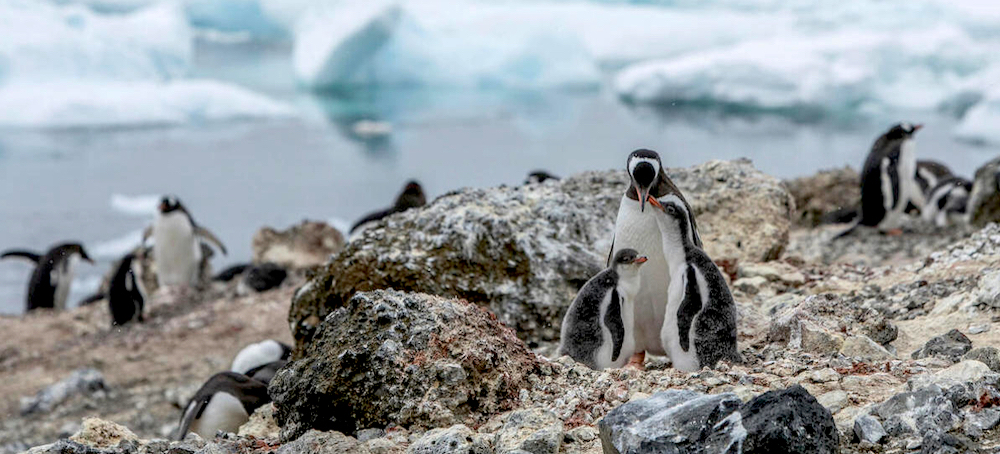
x=639, y=230
x=175, y=250
x=686, y=361
x=224, y=412
x=63, y=280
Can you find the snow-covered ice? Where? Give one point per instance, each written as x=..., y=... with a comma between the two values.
x=136, y=205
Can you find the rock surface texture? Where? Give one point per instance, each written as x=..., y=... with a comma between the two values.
x=305, y=245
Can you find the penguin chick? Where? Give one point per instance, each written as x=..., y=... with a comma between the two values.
x=598, y=327
x=699, y=328
x=53, y=275
x=126, y=293
x=225, y=402
x=947, y=203
x=411, y=197
x=259, y=354
x=177, y=244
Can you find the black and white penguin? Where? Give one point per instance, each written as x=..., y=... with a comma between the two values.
x=539, y=176
x=700, y=325
x=947, y=202
x=597, y=328
x=225, y=402
x=636, y=228
x=53, y=276
x=126, y=293
x=411, y=197
x=888, y=180
x=264, y=373
x=259, y=354
x=177, y=244
x=929, y=174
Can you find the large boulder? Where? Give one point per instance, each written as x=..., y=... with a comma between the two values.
x=525, y=251
x=790, y=421
x=828, y=191
x=305, y=245
x=984, y=201
x=402, y=359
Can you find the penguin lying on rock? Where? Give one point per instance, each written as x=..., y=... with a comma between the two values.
x=225, y=402
x=53, y=276
x=255, y=355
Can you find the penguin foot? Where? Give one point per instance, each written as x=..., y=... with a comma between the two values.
x=637, y=361
x=894, y=232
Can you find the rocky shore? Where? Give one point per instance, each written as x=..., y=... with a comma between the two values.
x=434, y=332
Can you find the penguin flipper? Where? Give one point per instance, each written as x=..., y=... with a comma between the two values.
x=146, y=233
x=206, y=234
x=846, y=232
x=93, y=298
x=22, y=254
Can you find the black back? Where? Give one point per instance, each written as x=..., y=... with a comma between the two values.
x=411, y=197
x=264, y=276
x=231, y=273
x=887, y=146
x=251, y=393
x=539, y=176
x=41, y=287
x=584, y=316
x=125, y=298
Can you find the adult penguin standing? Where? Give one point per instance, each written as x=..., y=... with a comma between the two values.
x=53, y=276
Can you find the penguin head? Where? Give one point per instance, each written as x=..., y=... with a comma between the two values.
x=644, y=169
x=628, y=259
x=902, y=131
x=539, y=176
x=676, y=212
x=169, y=203
x=70, y=249
x=411, y=197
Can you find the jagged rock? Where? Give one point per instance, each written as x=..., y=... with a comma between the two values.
x=867, y=428
x=405, y=359
x=906, y=402
x=951, y=345
x=316, y=442
x=535, y=431
x=989, y=356
x=81, y=381
x=985, y=419
x=672, y=421
x=825, y=192
x=457, y=439
x=833, y=400
x=525, y=251
x=862, y=347
x=98, y=433
x=967, y=371
x=788, y=421
x=796, y=327
x=305, y=245
x=897, y=426
x=774, y=272
x=937, y=441
x=261, y=423
x=984, y=200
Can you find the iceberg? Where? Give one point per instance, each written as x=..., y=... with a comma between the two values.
x=138, y=205
x=981, y=123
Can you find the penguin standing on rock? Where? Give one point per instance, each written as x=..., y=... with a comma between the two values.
x=888, y=180
x=177, y=244
x=126, y=293
x=700, y=324
x=225, y=402
x=53, y=276
x=411, y=197
x=598, y=327
x=637, y=228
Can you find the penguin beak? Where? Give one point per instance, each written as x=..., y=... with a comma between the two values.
x=917, y=127
x=640, y=260
x=654, y=202
x=643, y=194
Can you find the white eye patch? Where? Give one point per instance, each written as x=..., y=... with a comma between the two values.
x=635, y=161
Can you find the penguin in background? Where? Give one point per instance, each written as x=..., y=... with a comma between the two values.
x=539, y=176
x=947, y=203
x=888, y=181
x=126, y=293
x=53, y=275
x=265, y=372
x=411, y=197
x=598, y=327
x=225, y=402
x=177, y=244
x=255, y=355
x=636, y=228
x=929, y=174
x=700, y=324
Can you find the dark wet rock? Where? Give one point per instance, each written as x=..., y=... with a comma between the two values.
x=984, y=200
x=789, y=421
x=672, y=421
x=264, y=277
x=951, y=345
x=525, y=251
x=389, y=357
x=867, y=428
x=826, y=192
x=989, y=356
x=305, y=245
x=457, y=439
x=79, y=382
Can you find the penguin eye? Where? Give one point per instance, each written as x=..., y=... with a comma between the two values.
x=671, y=210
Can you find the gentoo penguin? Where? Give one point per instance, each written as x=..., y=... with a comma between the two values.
x=888, y=180
x=636, y=228
x=225, y=402
x=411, y=197
x=597, y=328
x=929, y=174
x=177, y=244
x=539, y=176
x=700, y=325
x=126, y=293
x=255, y=355
x=264, y=373
x=53, y=276
x=947, y=202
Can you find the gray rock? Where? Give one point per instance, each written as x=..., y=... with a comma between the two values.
x=907, y=401
x=822, y=193
x=788, y=421
x=936, y=441
x=535, y=431
x=897, y=426
x=672, y=421
x=457, y=439
x=984, y=200
x=951, y=345
x=862, y=347
x=305, y=245
x=525, y=251
x=867, y=428
x=985, y=419
x=316, y=442
x=399, y=358
x=364, y=435
x=989, y=356
x=79, y=382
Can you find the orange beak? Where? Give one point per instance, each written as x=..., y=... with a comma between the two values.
x=641, y=260
x=917, y=127
x=652, y=201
